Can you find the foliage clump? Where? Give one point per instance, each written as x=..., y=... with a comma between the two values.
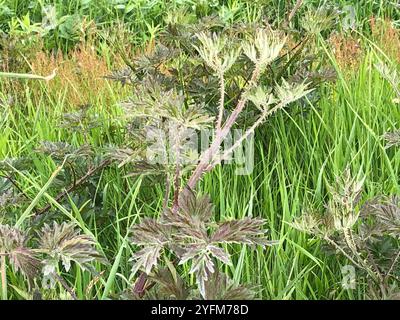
x=367, y=235
x=192, y=236
x=55, y=244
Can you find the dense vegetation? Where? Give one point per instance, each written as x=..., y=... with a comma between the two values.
x=313, y=88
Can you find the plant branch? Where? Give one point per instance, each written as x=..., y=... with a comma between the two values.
x=210, y=153
x=333, y=243
x=14, y=183
x=349, y=238
x=65, y=285
x=259, y=121
x=91, y=171
x=358, y=264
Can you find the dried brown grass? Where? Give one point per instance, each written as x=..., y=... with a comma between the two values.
x=347, y=51
x=387, y=37
x=79, y=75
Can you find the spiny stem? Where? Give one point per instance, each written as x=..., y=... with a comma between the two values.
x=259, y=121
x=211, y=152
x=221, y=100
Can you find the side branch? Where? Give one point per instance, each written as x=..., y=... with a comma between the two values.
x=212, y=151
x=75, y=185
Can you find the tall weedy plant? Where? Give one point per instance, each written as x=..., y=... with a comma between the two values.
x=171, y=90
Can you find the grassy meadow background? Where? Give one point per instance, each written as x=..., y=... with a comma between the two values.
x=297, y=152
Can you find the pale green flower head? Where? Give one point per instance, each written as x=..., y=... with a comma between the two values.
x=215, y=52
x=265, y=47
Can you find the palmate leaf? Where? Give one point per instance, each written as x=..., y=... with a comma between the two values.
x=341, y=213
x=290, y=92
x=167, y=285
x=194, y=117
x=125, y=76
x=316, y=21
x=149, y=231
x=244, y=231
x=124, y=155
x=261, y=97
x=195, y=250
x=10, y=238
x=198, y=206
x=146, y=258
x=156, y=59
x=57, y=150
x=265, y=47
x=315, y=223
x=201, y=257
x=80, y=119
x=203, y=267
x=193, y=230
x=25, y=260
x=202, y=264
x=219, y=253
x=152, y=101
x=192, y=217
x=346, y=191
x=346, y=194
x=213, y=51
x=386, y=214
x=64, y=243
x=307, y=222
x=153, y=236
x=12, y=244
x=189, y=232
